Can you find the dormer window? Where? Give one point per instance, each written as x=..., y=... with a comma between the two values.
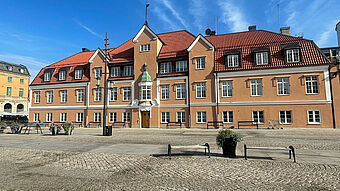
x=78, y=74
x=10, y=68
x=115, y=71
x=145, y=47
x=233, y=60
x=166, y=67
x=47, y=76
x=62, y=75
x=98, y=73
x=293, y=55
x=261, y=58
x=128, y=70
x=21, y=70
x=181, y=66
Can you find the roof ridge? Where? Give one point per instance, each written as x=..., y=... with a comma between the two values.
x=184, y=30
x=69, y=57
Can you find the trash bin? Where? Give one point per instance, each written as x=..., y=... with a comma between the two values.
x=53, y=128
x=108, y=130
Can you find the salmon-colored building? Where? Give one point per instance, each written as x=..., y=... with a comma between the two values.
x=154, y=79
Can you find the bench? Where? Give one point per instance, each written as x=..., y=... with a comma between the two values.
x=290, y=149
x=80, y=124
x=216, y=124
x=205, y=147
x=118, y=124
x=247, y=124
x=96, y=124
x=274, y=124
x=174, y=124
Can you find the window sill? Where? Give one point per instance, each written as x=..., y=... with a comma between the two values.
x=164, y=99
x=180, y=98
x=200, y=68
x=201, y=97
x=314, y=123
x=256, y=95
x=312, y=93
x=227, y=96
x=286, y=123
x=283, y=94
x=201, y=122
x=228, y=122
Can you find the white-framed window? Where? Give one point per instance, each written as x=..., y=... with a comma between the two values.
x=312, y=85
x=261, y=58
x=78, y=74
x=165, y=92
x=47, y=76
x=228, y=117
x=145, y=47
x=126, y=93
x=63, y=117
x=200, y=63
x=201, y=90
x=227, y=88
x=80, y=117
x=50, y=96
x=256, y=87
x=127, y=117
x=21, y=70
x=293, y=55
x=63, y=96
x=258, y=117
x=181, y=66
x=115, y=71
x=128, y=70
x=10, y=68
x=285, y=117
x=98, y=94
x=49, y=117
x=181, y=117
x=36, y=117
x=282, y=86
x=113, y=94
x=314, y=117
x=9, y=79
x=62, y=75
x=80, y=95
x=97, y=117
x=21, y=92
x=166, y=67
x=180, y=91
x=9, y=92
x=22, y=81
x=145, y=92
x=112, y=117
x=98, y=73
x=201, y=117
x=165, y=117
x=233, y=60
x=37, y=97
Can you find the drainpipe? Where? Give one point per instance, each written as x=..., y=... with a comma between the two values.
x=332, y=103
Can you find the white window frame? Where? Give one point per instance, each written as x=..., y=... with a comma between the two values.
x=9, y=79
x=258, y=121
x=229, y=116
x=37, y=97
x=112, y=117
x=126, y=117
x=49, y=117
x=233, y=60
x=256, y=87
x=181, y=66
x=78, y=74
x=126, y=93
x=166, y=67
x=145, y=92
x=113, y=94
x=21, y=91
x=37, y=117
x=261, y=58
x=115, y=71
x=314, y=122
x=283, y=86
x=145, y=48
x=47, y=76
x=201, y=117
x=285, y=120
x=201, y=90
x=80, y=117
x=98, y=72
x=181, y=116
x=98, y=94
x=49, y=96
x=97, y=117
x=200, y=63
x=293, y=55
x=165, y=117
x=22, y=81
x=62, y=75
x=80, y=95
x=9, y=92
x=63, y=117
x=165, y=92
x=180, y=91
x=63, y=96
x=227, y=88
x=128, y=70
x=312, y=85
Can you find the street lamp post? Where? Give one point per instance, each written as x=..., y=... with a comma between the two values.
x=105, y=133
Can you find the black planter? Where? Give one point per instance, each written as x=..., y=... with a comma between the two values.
x=229, y=148
x=53, y=130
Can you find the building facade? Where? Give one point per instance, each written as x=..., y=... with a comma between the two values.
x=154, y=79
x=14, y=90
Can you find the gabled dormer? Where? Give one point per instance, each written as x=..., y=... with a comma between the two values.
x=147, y=41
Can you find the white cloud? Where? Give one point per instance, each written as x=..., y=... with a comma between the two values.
x=233, y=16
x=326, y=34
x=168, y=5
x=88, y=29
x=165, y=18
x=198, y=10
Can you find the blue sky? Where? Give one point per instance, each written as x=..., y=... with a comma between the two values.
x=37, y=33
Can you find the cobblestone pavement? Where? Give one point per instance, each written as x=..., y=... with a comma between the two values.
x=24, y=168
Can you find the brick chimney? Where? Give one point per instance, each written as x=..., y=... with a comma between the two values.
x=85, y=50
x=252, y=28
x=285, y=31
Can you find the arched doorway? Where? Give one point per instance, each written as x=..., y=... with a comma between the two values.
x=8, y=108
x=20, y=107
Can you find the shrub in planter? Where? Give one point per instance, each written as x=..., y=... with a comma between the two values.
x=68, y=128
x=227, y=139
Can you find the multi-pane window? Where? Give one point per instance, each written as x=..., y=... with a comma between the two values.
x=228, y=117
x=36, y=117
x=128, y=70
x=48, y=117
x=312, y=85
x=126, y=93
x=200, y=63
x=314, y=117
x=165, y=91
x=112, y=117
x=37, y=97
x=285, y=117
x=78, y=74
x=261, y=58
x=49, y=96
x=258, y=117
x=9, y=79
x=98, y=94
x=145, y=92
x=63, y=96
x=227, y=88
x=166, y=67
x=9, y=92
x=181, y=66
x=201, y=117
x=180, y=91
x=233, y=60
x=97, y=117
x=22, y=81
x=293, y=55
x=165, y=117
x=256, y=87
x=21, y=92
x=115, y=71
x=145, y=47
x=201, y=90
x=98, y=73
x=80, y=117
x=80, y=95
x=62, y=75
x=282, y=86
x=47, y=76
x=113, y=94
x=63, y=117
x=127, y=117
x=181, y=117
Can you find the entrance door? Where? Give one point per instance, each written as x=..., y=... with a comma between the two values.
x=145, y=119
